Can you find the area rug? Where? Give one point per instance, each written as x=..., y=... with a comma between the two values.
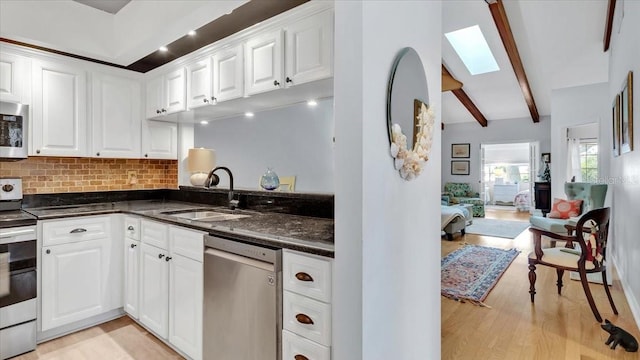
x=469, y=273
x=498, y=228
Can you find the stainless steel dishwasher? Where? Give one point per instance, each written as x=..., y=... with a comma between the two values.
x=242, y=301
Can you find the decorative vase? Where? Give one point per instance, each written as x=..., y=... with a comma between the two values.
x=269, y=180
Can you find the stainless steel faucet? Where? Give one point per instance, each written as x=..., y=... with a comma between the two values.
x=214, y=179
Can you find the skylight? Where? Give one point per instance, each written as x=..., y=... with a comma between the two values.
x=473, y=50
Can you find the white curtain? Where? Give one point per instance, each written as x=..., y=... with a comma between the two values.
x=573, y=160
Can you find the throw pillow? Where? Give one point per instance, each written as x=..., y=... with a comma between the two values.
x=564, y=209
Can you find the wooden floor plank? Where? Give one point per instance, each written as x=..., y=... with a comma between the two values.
x=555, y=327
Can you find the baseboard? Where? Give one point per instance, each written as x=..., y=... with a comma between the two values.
x=633, y=302
x=60, y=331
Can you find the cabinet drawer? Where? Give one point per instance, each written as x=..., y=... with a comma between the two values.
x=75, y=229
x=154, y=233
x=297, y=347
x=307, y=275
x=132, y=227
x=307, y=317
x=188, y=243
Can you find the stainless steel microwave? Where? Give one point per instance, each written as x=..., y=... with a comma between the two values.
x=14, y=126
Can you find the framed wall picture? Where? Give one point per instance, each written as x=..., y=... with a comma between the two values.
x=460, y=167
x=626, y=115
x=461, y=150
x=546, y=158
x=615, y=126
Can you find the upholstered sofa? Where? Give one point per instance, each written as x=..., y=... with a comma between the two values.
x=592, y=196
x=462, y=193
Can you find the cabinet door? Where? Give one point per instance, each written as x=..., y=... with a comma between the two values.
x=59, y=110
x=264, y=65
x=74, y=282
x=228, y=71
x=309, y=45
x=154, y=289
x=199, y=84
x=14, y=78
x=185, y=305
x=175, y=94
x=159, y=140
x=155, y=98
x=131, y=276
x=116, y=117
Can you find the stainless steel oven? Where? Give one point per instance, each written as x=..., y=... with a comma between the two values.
x=14, y=123
x=18, y=277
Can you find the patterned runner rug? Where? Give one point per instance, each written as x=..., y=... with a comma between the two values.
x=469, y=273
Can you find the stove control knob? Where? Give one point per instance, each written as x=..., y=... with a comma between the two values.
x=7, y=187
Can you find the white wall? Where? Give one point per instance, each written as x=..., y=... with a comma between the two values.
x=293, y=140
x=571, y=107
x=498, y=131
x=625, y=170
x=387, y=229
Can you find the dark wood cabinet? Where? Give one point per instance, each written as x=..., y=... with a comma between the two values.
x=542, y=196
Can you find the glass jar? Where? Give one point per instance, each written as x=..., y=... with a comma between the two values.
x=269, y=180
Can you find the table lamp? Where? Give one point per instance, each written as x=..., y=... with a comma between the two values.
x=199, y=163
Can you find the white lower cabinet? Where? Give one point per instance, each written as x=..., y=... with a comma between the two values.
x=131, y=276
x=171, y=285
x=298, y=348
x=79, y=278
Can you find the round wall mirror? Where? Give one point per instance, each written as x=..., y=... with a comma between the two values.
x=407, y=84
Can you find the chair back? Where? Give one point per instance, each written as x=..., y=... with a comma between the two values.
x=594, y=222
x=592, y=195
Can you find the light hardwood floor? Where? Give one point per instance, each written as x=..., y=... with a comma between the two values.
x=555, y=327
x=120, y=339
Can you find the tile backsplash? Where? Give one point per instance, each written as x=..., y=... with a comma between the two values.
x=61, y=174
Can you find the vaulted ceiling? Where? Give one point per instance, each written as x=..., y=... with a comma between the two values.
x=560, y=44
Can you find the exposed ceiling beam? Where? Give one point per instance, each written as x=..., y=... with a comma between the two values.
x=611, y=8
x=448, y=82
x=502, y=23
x=466, y=101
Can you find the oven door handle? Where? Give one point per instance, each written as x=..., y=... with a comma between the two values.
x=12, y=233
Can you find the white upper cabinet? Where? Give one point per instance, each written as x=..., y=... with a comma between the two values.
x=309, y=49
x=166, y=94
x=14, y=78
x=116, y=117
x=228, y=74
x=264, y=62
x=159, y=140
x=59, y=110
x=199, y=84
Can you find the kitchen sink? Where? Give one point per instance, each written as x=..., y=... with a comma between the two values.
x=205, y=215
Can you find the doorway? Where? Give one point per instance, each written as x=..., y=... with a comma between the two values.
x=508, y=172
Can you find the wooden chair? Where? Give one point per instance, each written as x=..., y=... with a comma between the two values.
x=595, y=222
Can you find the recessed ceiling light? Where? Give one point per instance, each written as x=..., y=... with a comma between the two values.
x=312, y=103
x=248, y=114
x=472, y=48
x=204, y=122
x=163, y=49
x=191, y=33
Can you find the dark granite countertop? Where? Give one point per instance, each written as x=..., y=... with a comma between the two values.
x=303, y=233
x=16, y=218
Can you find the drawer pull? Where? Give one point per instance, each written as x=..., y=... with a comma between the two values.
x=77, y=231
x=303, y=276
x=160, y=256
x=133, y=245
x=304, y=319
x=130, y=228
x=300, y=357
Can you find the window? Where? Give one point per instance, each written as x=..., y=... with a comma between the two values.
x=589, y=161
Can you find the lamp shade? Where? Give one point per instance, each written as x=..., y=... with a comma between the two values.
x=201, y=160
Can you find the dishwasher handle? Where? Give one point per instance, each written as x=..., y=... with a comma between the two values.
x=240, y=259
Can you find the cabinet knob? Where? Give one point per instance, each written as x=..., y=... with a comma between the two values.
x=213, y=98
x=276, y=83
x=160, y=256
x=133, y=245
x=97, y=154
x=167, y=258
x=164, y=110
x=130, y=228
x=303, y=276
x=48, y=251
x=146, y=155
x=37, y=151
x=288, y=79
x=157, y=111
x=304, y=319
x=205, y=100
x=300, y=357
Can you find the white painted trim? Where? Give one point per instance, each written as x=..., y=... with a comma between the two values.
x=634, y=305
